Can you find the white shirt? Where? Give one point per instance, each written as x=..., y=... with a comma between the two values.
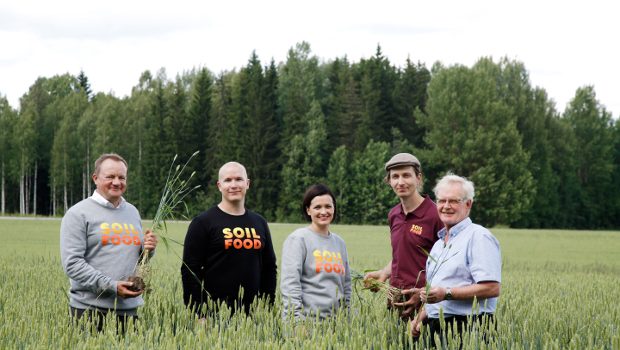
x=97, y=197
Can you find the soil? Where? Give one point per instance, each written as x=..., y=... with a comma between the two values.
x=398, y=297
x=138, y=283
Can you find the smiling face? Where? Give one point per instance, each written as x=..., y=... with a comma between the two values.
x=452, y=205
x=233, y=183
x=404, y=181
x=111, y=180
x=321, y=211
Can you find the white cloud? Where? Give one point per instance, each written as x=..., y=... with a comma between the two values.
x=563, y=44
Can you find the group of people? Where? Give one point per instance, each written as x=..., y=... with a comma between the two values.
x=229, y=258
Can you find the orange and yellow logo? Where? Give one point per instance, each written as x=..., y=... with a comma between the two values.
x=329, y=262
x=119, y=233
x=416, y=229
x=241, y=238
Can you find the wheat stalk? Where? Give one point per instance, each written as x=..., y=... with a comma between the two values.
x=175, y=190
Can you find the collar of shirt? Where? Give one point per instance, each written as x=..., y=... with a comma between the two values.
x=456, y=229
x=419, y=211
x=97, y=197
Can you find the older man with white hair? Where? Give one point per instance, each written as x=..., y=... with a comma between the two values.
x=464, y=265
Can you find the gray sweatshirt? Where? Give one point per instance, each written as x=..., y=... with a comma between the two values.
x=100, y=245
x=315, y=274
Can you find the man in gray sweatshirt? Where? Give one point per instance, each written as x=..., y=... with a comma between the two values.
x=101, y=240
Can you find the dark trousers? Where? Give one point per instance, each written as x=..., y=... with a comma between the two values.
x=458, y=325
x=97, y=317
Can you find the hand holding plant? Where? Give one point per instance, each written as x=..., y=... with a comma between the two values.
x=412, y=302
x=174, y=193
x=376, y=282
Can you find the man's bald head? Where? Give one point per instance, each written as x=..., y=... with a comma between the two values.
x=232, y=166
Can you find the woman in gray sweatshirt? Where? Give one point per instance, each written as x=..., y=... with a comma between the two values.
x=315, y=277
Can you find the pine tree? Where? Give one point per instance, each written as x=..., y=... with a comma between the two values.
x=305, y=165
x=200, y=109
x=299, y=84
x=344, y=107
x=377, y=80
x=84, y=84
x=592, y=127
x=8, y=120
x=258, y=139
x=409, y=95
x=341, y=182
x=615, y=190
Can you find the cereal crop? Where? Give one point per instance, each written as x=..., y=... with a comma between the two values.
x=560, y=290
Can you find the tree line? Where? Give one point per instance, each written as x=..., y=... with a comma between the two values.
x=306, y=120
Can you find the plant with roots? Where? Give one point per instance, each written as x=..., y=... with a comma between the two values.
x=393, y=294
x=174, y=193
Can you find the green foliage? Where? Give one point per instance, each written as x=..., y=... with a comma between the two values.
x=378, y=79
x=299, y=85
x=594, y=140
x=66, y=161
x=84, y=84
x=344, y=107
x=8, y=161
x=257, y=138
x=371, y=198
x=472, y=132
x=409, y=95
x=615, y=190
x=339, y=180
x=305, y=165
x=304, y=120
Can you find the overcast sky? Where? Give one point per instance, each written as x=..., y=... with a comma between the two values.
x=563, y=44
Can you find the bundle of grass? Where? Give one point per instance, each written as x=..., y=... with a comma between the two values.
x=393, y=294
x=174, y=193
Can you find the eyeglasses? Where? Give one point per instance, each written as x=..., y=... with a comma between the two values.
x=451, y=202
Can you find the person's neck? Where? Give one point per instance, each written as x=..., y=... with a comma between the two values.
x=446, y=238
x=411, y=203
x=322, y=230
x=115, y=203
x=236, y=208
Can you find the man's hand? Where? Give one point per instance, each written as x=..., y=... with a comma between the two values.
x=413, y=302
x=150, y=241
x=379, y=275
x=124, y=292
x=416, y=327
x=435, y=295
x=416, y=323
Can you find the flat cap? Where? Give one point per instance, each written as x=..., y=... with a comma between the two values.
x=402, y=159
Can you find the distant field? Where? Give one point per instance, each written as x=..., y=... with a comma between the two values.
x=560, y=289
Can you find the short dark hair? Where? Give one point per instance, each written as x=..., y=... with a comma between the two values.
x=315, y=191
x=105, y=156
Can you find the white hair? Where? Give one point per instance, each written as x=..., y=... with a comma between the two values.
x=450, y=178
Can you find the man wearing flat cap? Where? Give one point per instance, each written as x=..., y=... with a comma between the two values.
x=414, y=223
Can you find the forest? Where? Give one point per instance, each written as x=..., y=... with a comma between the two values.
x=309, y=120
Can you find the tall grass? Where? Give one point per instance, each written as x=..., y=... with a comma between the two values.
x=550, y=300
x=176, y=188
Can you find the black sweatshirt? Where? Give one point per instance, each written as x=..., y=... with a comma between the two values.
x=224, y=252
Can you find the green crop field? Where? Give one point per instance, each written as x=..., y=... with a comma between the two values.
x=560, y=290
